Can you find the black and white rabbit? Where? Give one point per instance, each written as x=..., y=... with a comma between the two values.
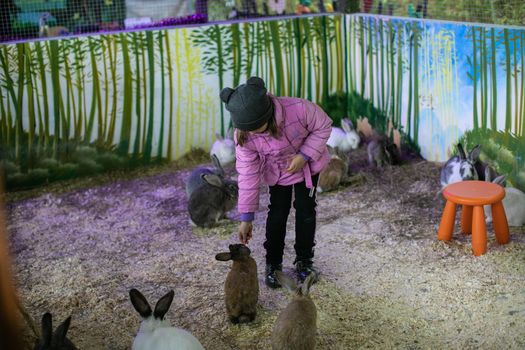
x=155, y=333
x=56, y=340
x=460, y=167
x=210, y=202
x=196, y=178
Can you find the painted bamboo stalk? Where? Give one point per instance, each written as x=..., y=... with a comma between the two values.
x=30, y=107
x=516, y=93
x=483, y=77
x=171, y=98
x=43, y=86
x=475, y=77
x=399, y=97
x=127, y=102
x=494, y=99
x=178, y=70
x=508, y=91
x=189, y=125
x=54, y=62
x=278, y=56
x=370, y=50
x=105, y=116
x=297, y=34
x=151, y=113
x=236, y=52
x=143, y=53
x=136, y=143
x=416, y=82
x=160, y=43
x=112, y=51
x=96, y=103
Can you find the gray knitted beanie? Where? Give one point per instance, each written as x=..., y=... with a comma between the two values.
x=249, y=105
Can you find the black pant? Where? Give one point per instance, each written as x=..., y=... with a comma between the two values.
x=279, y=208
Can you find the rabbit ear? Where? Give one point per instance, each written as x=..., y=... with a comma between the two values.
x=218, y=136
x=217, y=164
x=347, y=125
x=213, y=180
x=488, y=174
x=229, y=133
x=140, y=303
x=60, y=334
x=47, y=329
x=226, y=94
x=473, y=155
x=461, y=151
x=163, y=305
x=500, y=180
x=305, y=288
x=223, y=256
x=286, y=281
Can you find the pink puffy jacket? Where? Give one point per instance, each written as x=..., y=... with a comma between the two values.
x=304, y=129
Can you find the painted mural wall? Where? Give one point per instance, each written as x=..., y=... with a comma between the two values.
x=84, y=105
x=443, y=82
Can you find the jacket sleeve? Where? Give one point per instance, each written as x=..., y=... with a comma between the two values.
x=319, y=125
x=249, y=179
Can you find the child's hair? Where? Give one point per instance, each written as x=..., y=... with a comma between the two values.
x=242, y=136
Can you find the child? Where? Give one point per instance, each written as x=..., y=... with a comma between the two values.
x=282, y=142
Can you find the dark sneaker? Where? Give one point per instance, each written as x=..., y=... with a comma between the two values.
x=271, y=280
x=304, y=268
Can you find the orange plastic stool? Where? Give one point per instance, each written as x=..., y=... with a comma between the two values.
x=472, y=196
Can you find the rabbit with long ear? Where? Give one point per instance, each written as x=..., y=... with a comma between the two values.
x=345, y=138
x=514, y=202
x=459, y=167
x=296, y=325
x=241, y=289
x=155, y=333
x=209, y=203
x=196, y=178
x=56, y=340
x=224, y=148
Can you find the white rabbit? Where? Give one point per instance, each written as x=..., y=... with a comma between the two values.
x=155, y=333
x=344, y=139
x=514, y=202
x=224, y=148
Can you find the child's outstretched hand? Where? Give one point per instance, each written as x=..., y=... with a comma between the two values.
x=296, y=164
x=245, y=231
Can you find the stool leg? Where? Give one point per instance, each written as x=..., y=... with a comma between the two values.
x=479, y=232
x=466, y=219
x=499, y=221
x=447, y=222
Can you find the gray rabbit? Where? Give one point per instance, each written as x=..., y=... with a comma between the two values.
x=210, y=202
x=196, y=177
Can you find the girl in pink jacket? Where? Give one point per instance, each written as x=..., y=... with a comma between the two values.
x=280, y=141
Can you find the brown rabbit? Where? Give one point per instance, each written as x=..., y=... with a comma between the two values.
x=241, y=288
x=296, y=326
x=335, y=173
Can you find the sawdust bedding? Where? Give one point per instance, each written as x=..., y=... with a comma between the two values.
x=386, y=281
